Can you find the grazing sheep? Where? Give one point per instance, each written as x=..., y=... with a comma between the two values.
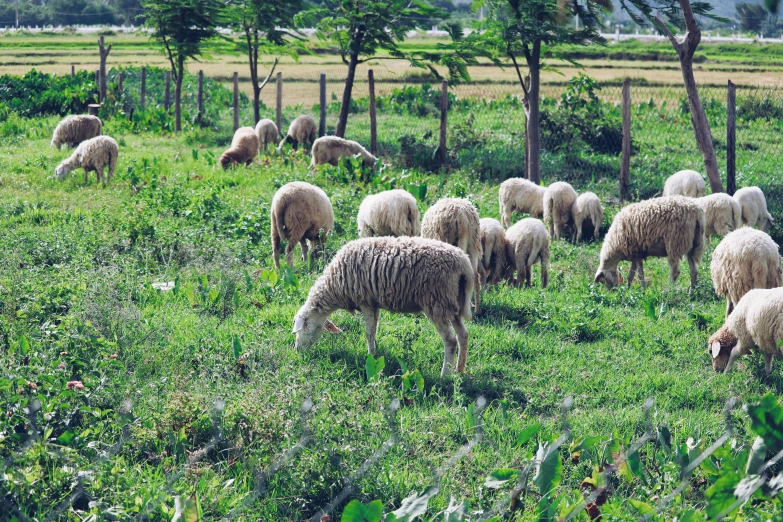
x=329, y=149
x=403, y=275
x=73, y=130
x=492, y=267
x=722, y=212
x=754, y=208
x=520, y=195
x=456, y=222
x=670, y=227
x=588, y=207
x=756, y=324
x=528, y=243
x=687, y=183
x=389, y=213
x=744, y=260
x=559, y=198
x=267, y=133
x=302, y=130
x=244, y=147
x=300, y=212
x=95, y=154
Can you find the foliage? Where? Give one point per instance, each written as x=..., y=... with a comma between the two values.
x=751, y=16
x=41, y=94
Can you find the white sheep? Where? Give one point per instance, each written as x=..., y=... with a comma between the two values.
x=687, y=183
x=722, y=212
x=559, y=197
x=520, y=195
x=670, y=227
x=744, y=260
x=402, y=275
x=456, y=221
x=587, y=208
x=528, y=243
x=492, y=267
x=389, y=213
x=755, y=324
x=95, y=154
x=754, y=208
x=267, y=133
x=244, y=147
x=330, y=149
x=300, y=212
x=301, y=131
x=75, y=129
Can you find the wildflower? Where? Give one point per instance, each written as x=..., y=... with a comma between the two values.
x=76, y=385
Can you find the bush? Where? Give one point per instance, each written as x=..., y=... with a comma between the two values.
x=41, y=94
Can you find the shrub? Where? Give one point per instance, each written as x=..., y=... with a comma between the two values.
x=41, y=94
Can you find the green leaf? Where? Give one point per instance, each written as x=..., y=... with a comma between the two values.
x=766, y=421
x=527, y=434
x=549, y=469
x=471, y=417
x=692, y=516
x=355, y=511
x=500, y=476
x=721, y=494
x=641, y=507
x=373, y=367
x=237, y=347
x=758, y=454
x=24, y=345
x=66, y=438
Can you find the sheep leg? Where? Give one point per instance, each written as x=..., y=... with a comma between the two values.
x=640, y=270
x=729, y=306
x=631, y=273
x=579, y=232
x=674, y=266
x=86, y=179
x=694, y=273
x=529, y=276
x=303, y=243
x=449, y=345
x=371, y=316
x=276, y=246
x=768, y=358
x=477, y=294
x=99, y=174
x=289, y=252
x=462, y=339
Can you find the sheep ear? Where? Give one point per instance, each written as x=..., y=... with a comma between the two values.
x=330, y=327
x=599, y=277
x=715, y=349
x=299, y=323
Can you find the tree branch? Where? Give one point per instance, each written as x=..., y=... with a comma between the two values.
x=271, y=71
x=665, y=30
x=519, y=73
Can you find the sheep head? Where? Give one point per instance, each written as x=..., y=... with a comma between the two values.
x=62, y=171
x=720, y=346
x=226, y=160
x=309, y=325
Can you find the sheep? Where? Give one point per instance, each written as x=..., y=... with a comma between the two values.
x=402, y=275
x=456, y=221
x=528, y=243
x=267, y=133
x=757, y=323
x=520, y=195
x=492, y=267
x=670, y=227
x=722, y=212
x=559, y=197
x=588, y=207
x=300, y=212
x=744, y=260
x=75, y=129
x=687, y=183
x=302, y=130
x=389, y=213
x=754, y=208
x=244, y=147
x=95, y=154
x=329, y=149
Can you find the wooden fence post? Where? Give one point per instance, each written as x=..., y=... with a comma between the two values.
x=93, y=108
x=444, y=109
x=200, y=93
x=104, y=53
x=143, y=97
x=73, y=71
x=322, y=121
x=236, y=101
x=373, y=123
x=279, y=102
x=120, y=78
x=625, y=166
x=167, y=91
x=731, y=140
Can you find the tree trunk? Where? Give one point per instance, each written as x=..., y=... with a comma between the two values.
x=178, y=97
x=103, y=54
x=342, y=121
x=533, y=122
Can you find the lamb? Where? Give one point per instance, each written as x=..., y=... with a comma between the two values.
x=492, y=267
x=389, y=213
x=687, y=183
x=456, y=221
x=722, y=212
x=528, y=243
x=587, y=207
x=95, y=154
x=75, y=129
x=244, y=147
x=670, y=227
x=329, y=149
x=744, y=260
x=402, y=275
x=754, y=208
x=267, y=133
x=300, y=212
x=559, y=198
x=302, y=130
x=520, y=195
x=756, y=324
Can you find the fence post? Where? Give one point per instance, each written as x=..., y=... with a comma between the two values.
x=444, y=109
x=73, y=71
x=322, y=122
x=625, y=166
x=731, y=140
x=104, y=53
x=167, y=91
x=143, y=97
x=200, y=94
x=92, y=109
x=236, y=101
x=279, y=102
x=373, y=124
x=120, y=78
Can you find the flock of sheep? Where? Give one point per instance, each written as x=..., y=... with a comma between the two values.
x=436, y=264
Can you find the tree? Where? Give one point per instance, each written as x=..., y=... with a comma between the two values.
x=182, y=26
x=679, y=13
x=751, y=16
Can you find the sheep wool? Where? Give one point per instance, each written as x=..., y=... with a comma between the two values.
x=753, y=205
x=301, y=213
x=528, y=244
x=401, y=275
x=75, y=129
x=687, y=183
x=329, y=149
x=520, y=195
x=492, y=267
x=744, y=260
x=587, y=208
x=96, y=154
x=301, y=131
x=755, y=324
x=456, y=221
x=244, y=147
x=389, y=213
x=559, y=198
x=267, y=133
x=670, y=227
x=723, y=213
